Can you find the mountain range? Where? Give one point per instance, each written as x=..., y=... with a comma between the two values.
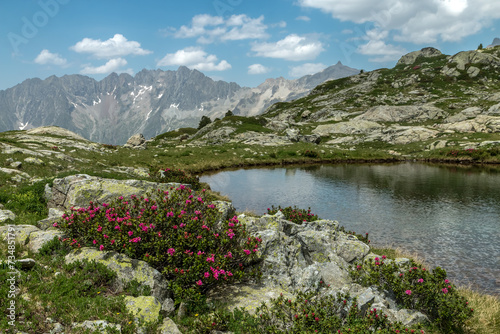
x=151, y=102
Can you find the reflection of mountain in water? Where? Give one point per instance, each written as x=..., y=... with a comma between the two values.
x=425, y=182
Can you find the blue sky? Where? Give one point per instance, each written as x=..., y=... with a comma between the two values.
x=245, y=41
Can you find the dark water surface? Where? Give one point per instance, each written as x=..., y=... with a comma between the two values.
x=450, y=216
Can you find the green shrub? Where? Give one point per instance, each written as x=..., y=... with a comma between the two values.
x=294, y=214
x=177, y=232
x=168, y=175
x=311, y=312
x=418, y=288
x=311, y=154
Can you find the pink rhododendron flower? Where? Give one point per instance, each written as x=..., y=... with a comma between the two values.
x=211, y=258
x=420, y=280
x=444, y=290
x=171, y=251
x=207, y=275
x=408, y=292
x=101, y=247
x=130, y=233
x=247, y=252
x=446, y=281
x=94, y=242
x=199, y=282
x=99, y=229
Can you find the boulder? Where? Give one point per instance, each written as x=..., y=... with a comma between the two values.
x=39, y=238
x=6, y=214
x=55, y=130
x=350, y=127
x=127, y=270
x=405, y=134
x=143, y=308
x=34, y=161
x=401, y=114
x=21, y=232
x=411, y=57
x=464, y=58
x=79, y=190
x=168, y=327
x=136, y=141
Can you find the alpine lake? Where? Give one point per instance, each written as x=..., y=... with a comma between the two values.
x=447, y=214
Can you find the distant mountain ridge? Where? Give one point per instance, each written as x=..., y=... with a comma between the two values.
x=151, y=102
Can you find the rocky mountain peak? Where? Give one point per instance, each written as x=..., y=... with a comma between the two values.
x=495, y=42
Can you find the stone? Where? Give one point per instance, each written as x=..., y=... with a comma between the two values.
x=350, y=127
x=168, y=306
x=401, y=113
x=57, y=328
x=127, y=270
x=136, y=141
x=16, y=164
x=473, y=71
x=411, y=317
x=168, y=326
x=15, y=171
x=55, y=130
x=450, y=71
x=78, y=190
x=351, y=250
x=34, y=161
x=21, y=232
x=411, y=57
x=6, y=215
x=39, y=238
x=97, y=325
x=464, y=58
x=437, y=145
x=494, y=110
x=143, y=308
x=26, y=264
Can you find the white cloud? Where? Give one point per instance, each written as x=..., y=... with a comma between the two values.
x=117, y=46
x=46, y=57
x=292, y=47
x=209, y=28
x=195, y=58
x=305, y=69
x=386, y=52
x=111, y=66
x=258, y=69
x=303, y=18
x=424, y=21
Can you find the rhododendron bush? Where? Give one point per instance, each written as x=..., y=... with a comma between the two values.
x=179, y=232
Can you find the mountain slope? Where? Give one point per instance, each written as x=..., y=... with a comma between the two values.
x=151, y=102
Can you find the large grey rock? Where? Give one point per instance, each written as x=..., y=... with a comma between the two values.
x=21, y=232
x=464, y=58
x=401, y=113
x=15, y=171
x=6, y=214
x=127, y=270
x=136, y=141
x=55, y=130
x=34, y=161
x=411, y=57
x=143, y=308
x=168, y=327
x=350, y=127
x=79, y=190
x=39, y=238
x=350, y=249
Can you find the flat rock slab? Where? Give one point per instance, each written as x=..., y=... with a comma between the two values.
x=21, y=232
x=79, y=190
x=126, y=268
x=39, y=238
x=6, y=214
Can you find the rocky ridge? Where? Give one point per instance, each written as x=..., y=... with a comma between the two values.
x=294, y=257
x=151, y=102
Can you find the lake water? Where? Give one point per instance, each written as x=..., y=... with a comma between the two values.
x=448, y=215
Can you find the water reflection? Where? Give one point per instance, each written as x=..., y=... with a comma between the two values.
x=449, y=215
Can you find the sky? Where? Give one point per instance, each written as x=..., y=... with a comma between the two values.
x=245, y=41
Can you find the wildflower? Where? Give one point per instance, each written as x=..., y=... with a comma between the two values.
x=408, y=292
x=211, y=258
x=94, y=242
x=446, y=281
x=171, y=251
x=207, y=275
x=420, y=280
x=199, y=282
x=101, y=247
x=130, y=233
x=55, y=224
x=247, y=252
x=444, y=290
x=99, y=228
